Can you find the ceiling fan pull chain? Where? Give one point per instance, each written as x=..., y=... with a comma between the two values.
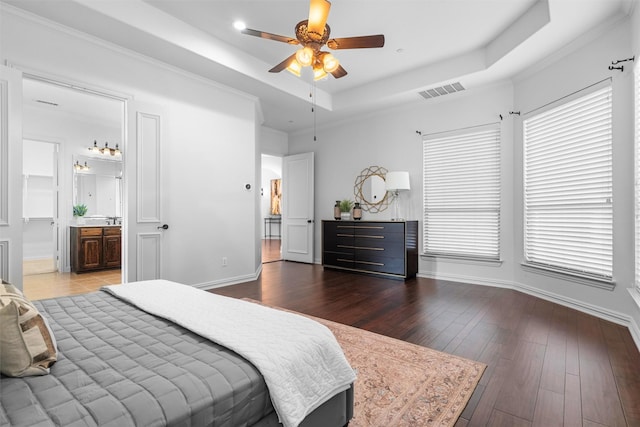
x=312, y=95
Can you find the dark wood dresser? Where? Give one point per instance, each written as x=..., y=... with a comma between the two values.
x=388, y=248
x=95, y=248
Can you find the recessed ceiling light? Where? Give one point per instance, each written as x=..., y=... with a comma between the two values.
x=239, y=25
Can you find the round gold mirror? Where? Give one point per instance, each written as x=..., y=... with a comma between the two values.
x=369, y=189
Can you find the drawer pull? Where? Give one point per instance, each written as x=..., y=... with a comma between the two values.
x=369, y=227
x=368, y=236
x=370, y=263
x=345, y=235
x=360, y=247
x=344, y=260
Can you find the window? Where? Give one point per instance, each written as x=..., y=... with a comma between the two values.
x=568, y=187
x=637, y=178
x=462, y=193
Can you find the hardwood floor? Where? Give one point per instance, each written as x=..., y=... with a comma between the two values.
x=51, y=285
x=547, y=365
x=271, y=250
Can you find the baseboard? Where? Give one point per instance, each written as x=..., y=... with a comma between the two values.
x=599, y=312
x=230, y=281
x=468, y=279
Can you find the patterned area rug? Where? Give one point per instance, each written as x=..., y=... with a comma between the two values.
x=403, y=384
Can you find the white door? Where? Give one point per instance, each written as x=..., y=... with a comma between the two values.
x=144, y=222
x=297, y=208
x=11, y=175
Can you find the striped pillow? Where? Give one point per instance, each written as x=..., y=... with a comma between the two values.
x=27, y=345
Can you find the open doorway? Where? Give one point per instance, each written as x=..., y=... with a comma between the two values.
x=271, y=202
x=61, y=125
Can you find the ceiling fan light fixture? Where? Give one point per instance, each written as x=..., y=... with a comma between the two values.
x=318, y=14
x=329, y=62
x=294, y=68
x=318, y=72
x=304, y=56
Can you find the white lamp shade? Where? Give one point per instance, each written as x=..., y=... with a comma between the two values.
x=397, y=181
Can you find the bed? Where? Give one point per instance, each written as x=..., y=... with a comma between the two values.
x=120, y=365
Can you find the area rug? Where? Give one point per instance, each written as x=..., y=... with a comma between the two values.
x=403, y=384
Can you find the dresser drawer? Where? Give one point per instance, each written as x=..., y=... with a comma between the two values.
x=112, y=231
x=382, y=265
x=338, y=259
x=90, y=231
x=379, y=229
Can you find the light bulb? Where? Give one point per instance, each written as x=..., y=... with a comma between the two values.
x=294, y=68
x=319, y=73
x=305, y=56
x=330, y=63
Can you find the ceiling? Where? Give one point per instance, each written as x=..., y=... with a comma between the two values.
x=429, y=43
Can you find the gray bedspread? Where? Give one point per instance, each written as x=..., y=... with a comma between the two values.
x=119, y=366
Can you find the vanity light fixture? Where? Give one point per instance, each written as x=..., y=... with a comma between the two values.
x=95, y=148
x=77, y=166
x=106, y=150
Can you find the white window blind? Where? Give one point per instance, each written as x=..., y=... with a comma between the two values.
x=568, y=187
x=637, y=172
x=461, y=173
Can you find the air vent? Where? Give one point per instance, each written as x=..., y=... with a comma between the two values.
x=441, y=90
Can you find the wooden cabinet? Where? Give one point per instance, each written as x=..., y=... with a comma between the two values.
x=95, y=248
x=388, y=248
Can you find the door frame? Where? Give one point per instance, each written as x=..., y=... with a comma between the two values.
x=43, y=77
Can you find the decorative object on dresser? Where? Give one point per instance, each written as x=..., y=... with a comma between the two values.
x=336, y=210
x=369, y=189
x=357, y=211
x=95, y=248
x=395, y=182
x=388, y=248
x=345, y=209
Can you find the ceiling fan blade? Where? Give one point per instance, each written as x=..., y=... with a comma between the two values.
x=356, y=42
x=339, y=72
x=284, y=64
x=269, y=36
x=318, y=14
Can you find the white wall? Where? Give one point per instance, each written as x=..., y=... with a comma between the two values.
x=389, y=139
x=273, y=141
x=210, y=148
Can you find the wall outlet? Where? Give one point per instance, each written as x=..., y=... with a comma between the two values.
x=224, y=261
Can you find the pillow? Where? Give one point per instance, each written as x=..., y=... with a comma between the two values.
x=27, y=345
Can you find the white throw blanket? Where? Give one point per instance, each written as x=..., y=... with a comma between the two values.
x=300, y=359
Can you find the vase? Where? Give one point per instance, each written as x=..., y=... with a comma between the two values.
x=80, y=220
x=336, y=210
x=357, y=211
x=346, y=216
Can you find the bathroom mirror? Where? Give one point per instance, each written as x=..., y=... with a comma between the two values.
x=97, y=183
x=369, y=189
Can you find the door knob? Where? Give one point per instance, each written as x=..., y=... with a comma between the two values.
x=309, y=221
x=163, y=226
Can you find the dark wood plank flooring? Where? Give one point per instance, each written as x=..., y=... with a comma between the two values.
x=548, y=365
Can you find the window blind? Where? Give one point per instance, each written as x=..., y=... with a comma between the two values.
x=568, y=187
x=637, y=172
x=461, y=173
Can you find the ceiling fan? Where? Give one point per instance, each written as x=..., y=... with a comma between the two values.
x=313, y=34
